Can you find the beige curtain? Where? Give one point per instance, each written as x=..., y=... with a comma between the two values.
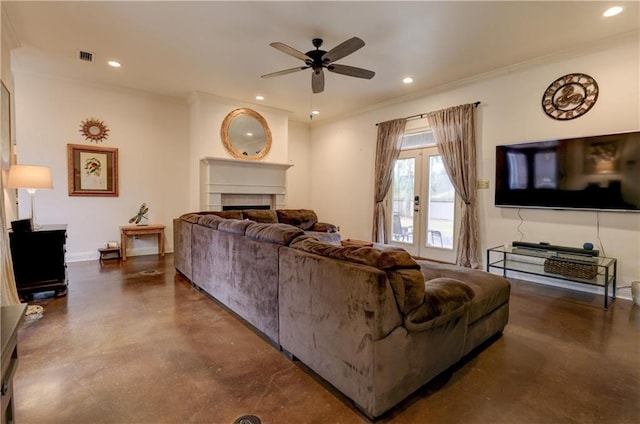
x=453, y=129
x=9, y=293
x=387, y=151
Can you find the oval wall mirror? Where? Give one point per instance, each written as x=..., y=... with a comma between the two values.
x=245, y=134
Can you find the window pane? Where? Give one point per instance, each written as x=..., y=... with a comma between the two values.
x=420, y=139
x=545, y=170
x=403, y=192
x=517, y=166
x=442, y=195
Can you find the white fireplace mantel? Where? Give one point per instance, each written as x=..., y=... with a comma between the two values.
x=220, y=176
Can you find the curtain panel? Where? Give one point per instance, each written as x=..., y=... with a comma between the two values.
x=387, y=151
x=9, y=294
x=453, y=130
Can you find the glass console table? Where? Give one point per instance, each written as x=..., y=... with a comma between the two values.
x=595, y=271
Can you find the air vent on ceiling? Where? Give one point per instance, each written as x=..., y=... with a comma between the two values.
x=86, y=56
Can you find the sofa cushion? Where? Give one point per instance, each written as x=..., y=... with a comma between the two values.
x=260, y=215
x=190, y=217
x=301, y=218
x=323, y=227
x=333, y=238
x=490, y=291
x=211, y=221
x=273, y=233
x=223, y=214
x=403, y=273
x=408, y=288
x=384, y=259
x=234, y=226
x=444, y=300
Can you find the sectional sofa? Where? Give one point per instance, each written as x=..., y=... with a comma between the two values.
x=372, y=321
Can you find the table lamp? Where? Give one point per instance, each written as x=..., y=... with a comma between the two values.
x=31, y=177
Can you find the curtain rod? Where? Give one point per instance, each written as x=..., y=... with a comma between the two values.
x=421, y=115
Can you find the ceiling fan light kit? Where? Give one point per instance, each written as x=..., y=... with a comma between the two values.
x=319, y=60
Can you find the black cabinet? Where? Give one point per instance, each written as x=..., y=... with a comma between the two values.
x=39, y=260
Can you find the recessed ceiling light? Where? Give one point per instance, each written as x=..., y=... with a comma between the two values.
x=114, y=63
x=259, y=97
x=249, y=134
x=407, y=80
x=612, y=11
x=315, y=112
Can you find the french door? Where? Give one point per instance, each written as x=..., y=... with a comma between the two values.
x=423, y=206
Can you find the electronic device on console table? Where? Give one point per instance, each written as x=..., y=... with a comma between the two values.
x=574, y=253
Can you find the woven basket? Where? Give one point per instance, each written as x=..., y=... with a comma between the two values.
x=570, y=269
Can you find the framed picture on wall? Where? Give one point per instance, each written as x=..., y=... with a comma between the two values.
x=602, y=157
x=5, y=128
x=92, y=171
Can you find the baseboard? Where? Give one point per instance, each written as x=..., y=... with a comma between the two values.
x=94, y=255
x=81, y=256
x=623, y=292
x=556, y=283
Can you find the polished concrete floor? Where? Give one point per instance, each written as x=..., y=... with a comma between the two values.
x=135, y=343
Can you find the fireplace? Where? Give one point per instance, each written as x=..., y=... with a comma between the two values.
x=244, y=207
x=228, y=183
x=230, y=201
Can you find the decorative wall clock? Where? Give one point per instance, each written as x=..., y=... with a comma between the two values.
x=570, y=96
x=94, y=130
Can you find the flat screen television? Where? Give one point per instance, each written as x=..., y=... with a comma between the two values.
x=589, y=173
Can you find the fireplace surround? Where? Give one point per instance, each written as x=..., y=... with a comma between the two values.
x=234, y=183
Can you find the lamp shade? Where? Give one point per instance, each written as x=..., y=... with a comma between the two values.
x=29, y=176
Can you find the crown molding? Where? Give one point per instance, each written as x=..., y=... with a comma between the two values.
x=585, y=49
x=194, y=96
x=8, y=33
x=104, y=86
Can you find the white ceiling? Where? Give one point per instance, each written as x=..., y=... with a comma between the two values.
x=176, y=48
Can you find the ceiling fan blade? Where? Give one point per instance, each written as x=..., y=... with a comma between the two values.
x=290, y=51
x=285, y=72
x=352, y=71
x=343, y=49
x=317, y=81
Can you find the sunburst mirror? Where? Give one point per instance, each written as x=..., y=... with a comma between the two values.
x=94, y=130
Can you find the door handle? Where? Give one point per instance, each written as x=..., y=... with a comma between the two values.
x=416, y=200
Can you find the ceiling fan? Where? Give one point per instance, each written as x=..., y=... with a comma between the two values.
x=318, y=60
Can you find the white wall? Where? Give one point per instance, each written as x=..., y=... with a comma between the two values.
x=152, y=137
x=206, y=113
x=299, y=175
x=344, y=151
x=342, y=174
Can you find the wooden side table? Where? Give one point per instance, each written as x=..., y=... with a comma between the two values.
x=141, y=230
